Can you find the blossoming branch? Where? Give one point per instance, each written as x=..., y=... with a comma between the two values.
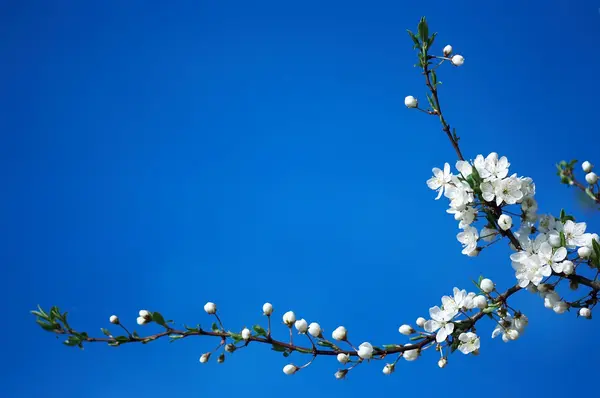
x=490, y=204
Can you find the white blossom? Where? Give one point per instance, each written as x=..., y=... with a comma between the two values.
x=421, y=321
x=552, y=257
x=441, y=322
x=574, y=234
x=585, y=312
x=440, y=180
x=388, y=369
x=114, y=319
x=468, y=238
x=505, y=222
x=469, y=342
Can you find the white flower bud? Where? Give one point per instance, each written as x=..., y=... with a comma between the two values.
x=144, y=314
x=114, y=319
x=475, y=252
x=410, y=355
x=210, y=308
x=406, y=330
x=315, y=330
x=487, y=285
x=290, y=369
x=560, y=307
x=458, y=60
x=480, y=301
x=365, y=350
x=504, y=222
x=587, y=166
x=544, y=287
x=289, y=318
x=343, y=358
x=554, y=240
x=141, y=321
x=144, y=317
x=447, y=50
x=246, y=334
x=340, y=374
x=267, y=309
x=568, y=267
x=442, y=363
x=512, y=334
x=591, y=178
x=204, y=357
x=585, y=312
x=230, y=348
x=340, y=333
x=221, y=358
x=411, y=102
x=388, y=369
x=421, y=321
x=301, y=326
x=584, y=252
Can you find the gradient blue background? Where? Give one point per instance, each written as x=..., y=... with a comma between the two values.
x=160, y=156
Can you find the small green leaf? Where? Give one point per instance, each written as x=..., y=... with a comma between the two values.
x=196, y=329
x=106, y=332
x=122, y=339
x=423, y=30
x=415, y=338
x=174, y=337
x=214, y=327
x=414, y=39
x=259, y=330
x=325, y=344
x=47, y=326
x=158, y=318
x=304, y=350
x=391, y=346
x=236, y=336
x=279, y=348
x=563, y=240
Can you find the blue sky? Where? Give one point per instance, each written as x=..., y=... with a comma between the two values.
x=159, y=157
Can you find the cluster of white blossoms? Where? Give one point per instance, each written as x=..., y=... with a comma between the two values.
x=485, y=187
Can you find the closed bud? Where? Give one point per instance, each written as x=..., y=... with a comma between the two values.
x=587, y=166
x=230, y=348
x=568, y=267
x=267, y=309
x=343, y=358
x=144, y=318
x=406, y=330
x=365, y=350
x=560, y=307
x=246, y=334
x=480, y=301
x=221, y=358
x=388, y=369
x=204, y=357
x=585, y=313
x=458, y=60
x=447, y=50
x=290, y=369
x=289, y=318
x=475, y=252
x=504, y=222
x=210, y=308
x=574, y=285
x=315, y=330
x=411, y=355
x=442, y=363
x=487, y=285
x=411, y=102
x=340, y=333
x=340, y=374
x=554, y=240
x=591, y=178
x=114, y=319
x=421, y=321
x=584, y=252
x=301, y=326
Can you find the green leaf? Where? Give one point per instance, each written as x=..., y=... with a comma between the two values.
x=489, y=310
x=158, y=318
x=414, y=39
x=236, y=336
x=304, y=350
x=415, y=338
x=174, y=337
x=72, y=341
x=596, y=247
x=196, y=329
x=391, y=346
x=431, y=40
x=122, y=339
x=423, y=30
x=563, y=240
x=46, y=326
x=324, y=343
x=106, y=332
x=214, y=327
x=279, y=348
x=259, y=330
x=434, y=78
